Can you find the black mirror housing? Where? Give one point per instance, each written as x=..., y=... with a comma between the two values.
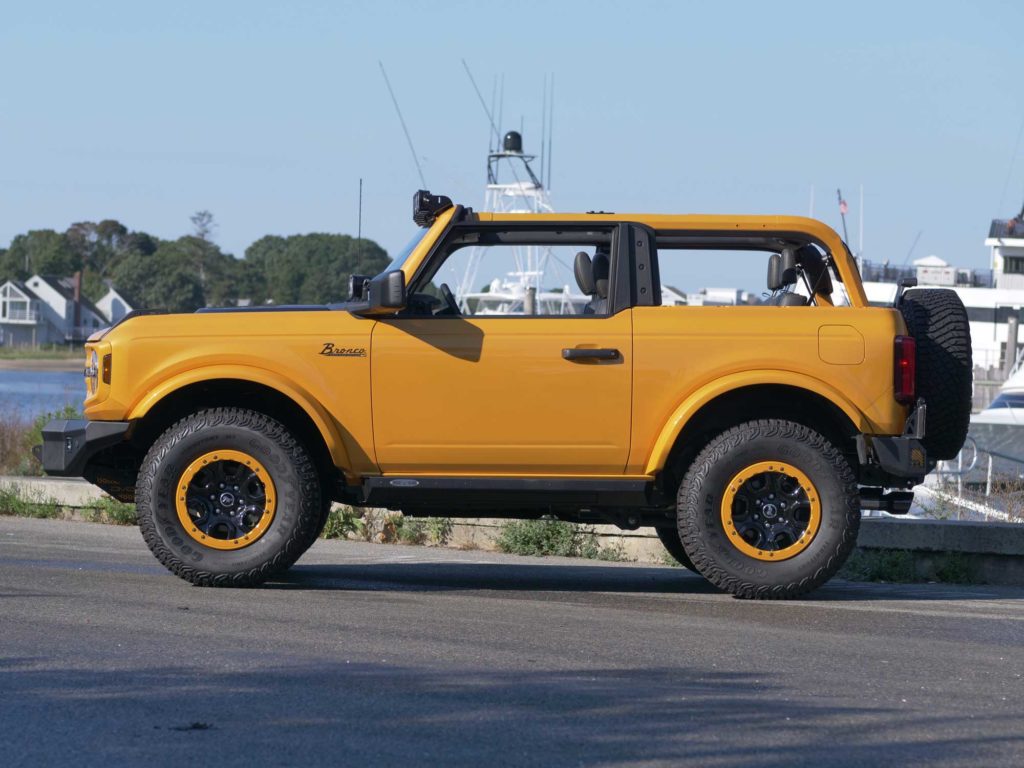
x=386, y=291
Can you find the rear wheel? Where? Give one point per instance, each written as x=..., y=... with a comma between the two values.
x=228, y=497
x=769, y=509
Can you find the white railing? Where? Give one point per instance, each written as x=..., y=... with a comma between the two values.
x=20, y=316
x=79, y=332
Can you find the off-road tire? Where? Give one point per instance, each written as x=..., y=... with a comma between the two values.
x=699, y=510
x=298, y=511
x=674, y=546
x=937, y=320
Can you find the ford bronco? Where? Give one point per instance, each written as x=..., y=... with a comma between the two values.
x=749, y=437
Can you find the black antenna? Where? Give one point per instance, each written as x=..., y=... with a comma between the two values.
x=913, y=245
x=405, y=130
x=483, y=103
x=494, y=100
x=551, y=127
x=359, y=226
x=543, y=123
x=501, y=108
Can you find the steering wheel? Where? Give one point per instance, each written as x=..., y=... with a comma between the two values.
x=451, y=305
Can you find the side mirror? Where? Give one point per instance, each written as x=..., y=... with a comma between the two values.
x=357, y=286
x=386, y=292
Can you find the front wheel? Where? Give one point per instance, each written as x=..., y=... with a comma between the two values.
x=669, y=538
x=769, y=509
x=228, y=497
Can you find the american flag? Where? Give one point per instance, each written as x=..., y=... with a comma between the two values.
x=843, y=207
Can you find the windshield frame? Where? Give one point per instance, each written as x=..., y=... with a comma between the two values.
x=398, y=262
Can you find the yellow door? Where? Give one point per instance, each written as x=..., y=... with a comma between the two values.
x=501, y=395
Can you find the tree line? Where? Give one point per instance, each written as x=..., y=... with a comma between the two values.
x=190, y=272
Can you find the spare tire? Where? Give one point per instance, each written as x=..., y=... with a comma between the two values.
x=937, y=320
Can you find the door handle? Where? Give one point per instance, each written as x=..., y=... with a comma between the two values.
x=582, y=353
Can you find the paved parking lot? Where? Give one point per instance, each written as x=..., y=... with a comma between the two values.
x=387, y=655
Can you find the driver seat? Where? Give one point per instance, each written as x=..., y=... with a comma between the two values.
x=592, y=278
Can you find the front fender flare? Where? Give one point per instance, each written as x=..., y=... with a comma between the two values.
x=306, y=401
x=720, y=386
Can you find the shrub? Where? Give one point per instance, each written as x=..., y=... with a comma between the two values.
x=440, y=530
x=555, y=537
x=343, y=521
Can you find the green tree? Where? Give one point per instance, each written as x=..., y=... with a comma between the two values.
x=164, y=279
x=313, y=268
x=98, y=247
x=40, y=251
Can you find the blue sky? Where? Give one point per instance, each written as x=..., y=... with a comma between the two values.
x=267, y=114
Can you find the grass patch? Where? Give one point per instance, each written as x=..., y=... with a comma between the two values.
x=898, y=566
x=555, y=537
x=895, y=565
x=15, y=502
x=111, y=511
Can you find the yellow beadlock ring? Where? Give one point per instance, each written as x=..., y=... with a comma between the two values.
x=208, y=462
x=805, y=485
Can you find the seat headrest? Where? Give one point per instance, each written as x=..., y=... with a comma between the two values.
x=781, y=269
x=815, y=268
x=584, y=272
x=602, y=268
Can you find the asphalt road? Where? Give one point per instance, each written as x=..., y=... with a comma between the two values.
x=387, y=655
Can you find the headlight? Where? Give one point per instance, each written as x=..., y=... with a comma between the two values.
x=92, y=373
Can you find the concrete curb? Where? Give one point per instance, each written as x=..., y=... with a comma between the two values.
x=942, y=536
x=992, y=553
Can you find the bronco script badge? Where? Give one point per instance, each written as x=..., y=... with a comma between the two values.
x=332, y=351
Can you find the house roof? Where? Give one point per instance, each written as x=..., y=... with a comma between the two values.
x=127, y=299
x=1012, y=229
x=65, y=286
x=21, y=287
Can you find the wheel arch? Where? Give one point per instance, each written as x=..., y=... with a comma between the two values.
x=255, y=389
x=717, y=408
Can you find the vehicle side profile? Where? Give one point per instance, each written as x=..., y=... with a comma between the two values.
x=749, y=437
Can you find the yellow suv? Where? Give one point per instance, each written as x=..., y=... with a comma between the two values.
x=750, y=437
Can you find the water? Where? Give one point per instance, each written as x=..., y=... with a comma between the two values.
x=30, y=393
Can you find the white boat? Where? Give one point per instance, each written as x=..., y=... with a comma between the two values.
x=538, y=284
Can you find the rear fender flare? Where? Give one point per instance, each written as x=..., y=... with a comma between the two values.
x=718, y=387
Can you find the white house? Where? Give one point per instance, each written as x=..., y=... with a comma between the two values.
x=46, y=310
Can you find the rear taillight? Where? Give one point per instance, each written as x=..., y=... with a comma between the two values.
x=905, y=369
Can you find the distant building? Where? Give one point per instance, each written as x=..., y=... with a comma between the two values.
x=114, y=305
x=1006, y=239
x=47, y=310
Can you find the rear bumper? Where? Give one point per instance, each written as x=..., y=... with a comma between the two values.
x=68, y=445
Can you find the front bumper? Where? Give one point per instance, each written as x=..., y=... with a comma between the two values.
x=68, y=445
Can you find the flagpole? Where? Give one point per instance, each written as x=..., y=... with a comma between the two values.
x=842, y=214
